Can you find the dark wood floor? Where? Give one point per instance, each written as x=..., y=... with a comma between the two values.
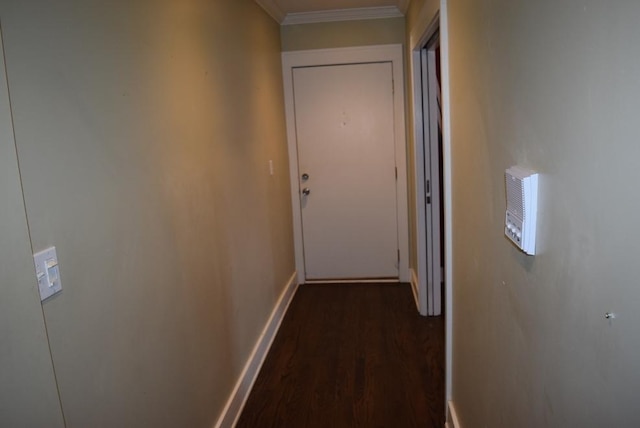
x=351, y=356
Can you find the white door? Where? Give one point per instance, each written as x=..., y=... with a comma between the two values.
x=344, y=120
x=430, y=262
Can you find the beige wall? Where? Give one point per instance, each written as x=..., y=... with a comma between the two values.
x=552, y=86
x=343, y=34
x=144, y=130
x=28, y=395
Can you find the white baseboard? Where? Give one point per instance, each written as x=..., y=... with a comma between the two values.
x=452, y=416
x=414, y=288
x=232, y=410
x=353, y=281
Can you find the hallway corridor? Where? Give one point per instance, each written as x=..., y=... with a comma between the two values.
x=351, y=356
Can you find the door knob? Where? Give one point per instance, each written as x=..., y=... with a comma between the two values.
x=305, y=176
x=306, y=191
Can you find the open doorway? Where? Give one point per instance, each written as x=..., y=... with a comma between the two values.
x=429, y=170
x=430, y=33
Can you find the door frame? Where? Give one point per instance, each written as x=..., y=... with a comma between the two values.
x=344, y=56
x=427, y=237
x=433, y=15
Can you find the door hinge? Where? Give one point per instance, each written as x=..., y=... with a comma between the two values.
x=398, y=257
x=396, y=173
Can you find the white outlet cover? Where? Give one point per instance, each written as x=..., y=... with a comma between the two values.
x=47, y=272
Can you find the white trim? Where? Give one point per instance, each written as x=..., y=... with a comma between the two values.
x=414, y=289
x=416, y=102
x=448, y=192
x=434, y=222
x=334, y=15
x=452, y=416
x=357, y=55
x=353, y=281
x=233, y=408
x=421, y=251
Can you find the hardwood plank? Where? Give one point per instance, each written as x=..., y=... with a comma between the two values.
x=351, y=355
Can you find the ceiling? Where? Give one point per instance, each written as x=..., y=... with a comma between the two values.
x=280, y=9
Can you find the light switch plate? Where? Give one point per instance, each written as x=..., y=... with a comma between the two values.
x=522, y=208
x=47, y=272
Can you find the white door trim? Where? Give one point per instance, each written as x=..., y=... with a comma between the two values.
x=426, y=306
x=431, y=14
x=357, y=55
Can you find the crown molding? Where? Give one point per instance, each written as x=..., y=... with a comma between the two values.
x=341, y=15
x=272, y=9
